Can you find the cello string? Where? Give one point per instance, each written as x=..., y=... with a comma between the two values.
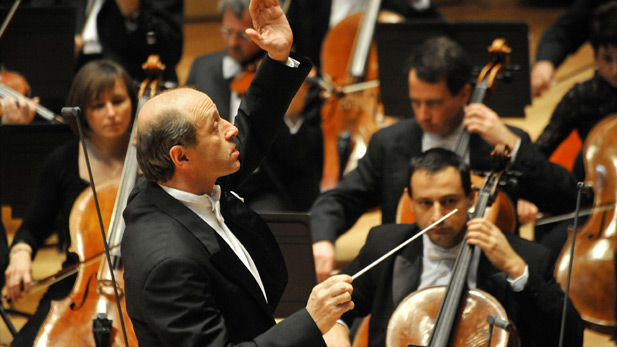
x=370, y=266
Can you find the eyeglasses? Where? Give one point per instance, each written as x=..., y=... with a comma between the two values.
x=228, y=33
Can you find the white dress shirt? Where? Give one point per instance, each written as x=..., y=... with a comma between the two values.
x=208, y=208
x=90, y=35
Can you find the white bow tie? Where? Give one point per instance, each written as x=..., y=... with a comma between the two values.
x=436, y=254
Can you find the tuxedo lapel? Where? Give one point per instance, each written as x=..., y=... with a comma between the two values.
x=406, y=272
x=221, y=255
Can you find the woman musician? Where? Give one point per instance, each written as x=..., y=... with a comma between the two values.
x=105, y=93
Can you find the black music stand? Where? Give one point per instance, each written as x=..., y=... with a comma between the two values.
x=38, y=43
x=395, y=42
x=293, y=234
x=23, y=150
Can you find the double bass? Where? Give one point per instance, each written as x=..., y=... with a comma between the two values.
x=592, y=287
x=90, y=314
x=351, y=111
x=453, y=315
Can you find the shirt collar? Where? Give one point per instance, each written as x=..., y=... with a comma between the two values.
x=231, y=68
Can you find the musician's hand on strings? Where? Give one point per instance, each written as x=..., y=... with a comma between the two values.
x=19, y=272
x=481, y=120
x=20, y=111
x=486, y=235
x=323, y=252
x=338, y=336
x=329, y=300
x=271, y=30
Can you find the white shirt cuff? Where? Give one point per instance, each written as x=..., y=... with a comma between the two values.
x=518, y=284
x=341, y=322
x=420, y=5
x=291, y=62
x=515, y=150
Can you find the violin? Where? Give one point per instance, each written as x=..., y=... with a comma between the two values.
x=15, y=85
x=453, y=315
x=593, y=288
x=240, y=84
x=96, y=308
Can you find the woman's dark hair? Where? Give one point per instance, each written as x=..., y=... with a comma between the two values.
x=94, y=79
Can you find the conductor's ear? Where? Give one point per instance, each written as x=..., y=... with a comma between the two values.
x=179, y=156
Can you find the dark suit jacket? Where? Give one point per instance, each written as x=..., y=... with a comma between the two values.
x=535, y=311
x=184, y=284
x=292, y=170
x=129, y=47
x=381, y=177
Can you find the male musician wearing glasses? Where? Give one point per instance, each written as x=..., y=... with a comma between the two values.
x=516, y=272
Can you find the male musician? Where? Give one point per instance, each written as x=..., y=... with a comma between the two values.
x=517, y=272
x=201, y=268
x=439, y=89
x=288, y=179
x=128, y=31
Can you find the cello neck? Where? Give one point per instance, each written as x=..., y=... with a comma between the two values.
x=457, y=287
x=363, y=40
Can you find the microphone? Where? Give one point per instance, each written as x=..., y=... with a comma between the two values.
x=70, y=112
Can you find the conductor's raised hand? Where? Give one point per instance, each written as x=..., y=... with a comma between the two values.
x=271, y=30
x=329, y=300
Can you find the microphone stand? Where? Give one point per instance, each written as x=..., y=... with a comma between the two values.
x=581, y=188
x=76, y=113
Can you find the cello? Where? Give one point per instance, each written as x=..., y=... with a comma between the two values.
x=89, y=315
x=351, y=111
x=454, y=315
x=592, y=288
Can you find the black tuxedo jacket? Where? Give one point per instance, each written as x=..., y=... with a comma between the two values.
x=535, y=311
x=381, y=177
x=184, y=284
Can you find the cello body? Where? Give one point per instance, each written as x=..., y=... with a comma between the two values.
x=69, y=321
x=592, y=286
x=418, y=312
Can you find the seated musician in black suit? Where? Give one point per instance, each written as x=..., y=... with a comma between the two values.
x=439, y=90
x=517, y=272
